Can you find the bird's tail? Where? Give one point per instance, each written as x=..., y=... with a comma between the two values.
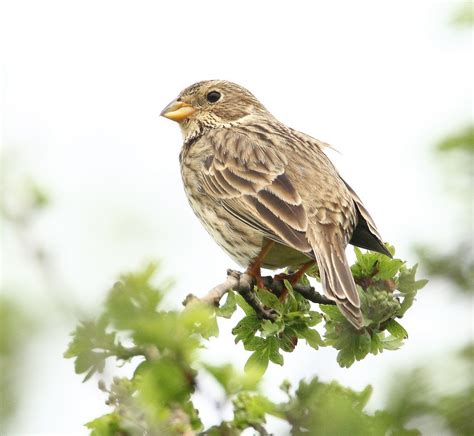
x=336, y=277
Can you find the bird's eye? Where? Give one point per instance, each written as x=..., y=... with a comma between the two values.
x=213, y=96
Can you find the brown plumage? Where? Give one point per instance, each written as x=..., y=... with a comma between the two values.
x=250, y=180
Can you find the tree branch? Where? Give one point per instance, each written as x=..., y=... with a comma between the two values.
x=244, y=283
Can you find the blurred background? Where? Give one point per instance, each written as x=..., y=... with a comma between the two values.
x=91, y=184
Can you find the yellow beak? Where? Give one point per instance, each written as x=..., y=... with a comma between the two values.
x=177, y=111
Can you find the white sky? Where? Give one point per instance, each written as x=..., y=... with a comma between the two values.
x=84, y=82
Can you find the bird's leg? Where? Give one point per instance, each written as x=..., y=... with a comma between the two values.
x=254, y=267
x=296, y=276
x=293, y=278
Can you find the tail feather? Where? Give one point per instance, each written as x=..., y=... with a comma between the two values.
x=355, y=319
x=366, y=235
x=336, y=276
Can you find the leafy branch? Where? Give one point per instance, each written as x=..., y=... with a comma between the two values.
x=163, y=348
x=273, y=324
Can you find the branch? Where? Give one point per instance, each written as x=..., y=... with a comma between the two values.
x=244, y=283
x=261, y=429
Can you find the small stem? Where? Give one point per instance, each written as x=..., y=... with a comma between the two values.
x=244, y=284
x=125, y=353
x=261, y=429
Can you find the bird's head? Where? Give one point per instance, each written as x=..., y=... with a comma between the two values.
x=211, y=104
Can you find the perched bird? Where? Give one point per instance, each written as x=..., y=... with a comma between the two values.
x=268, y=194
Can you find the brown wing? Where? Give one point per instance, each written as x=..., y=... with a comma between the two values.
x=247, y=176
x=251, y=178
x=332, y=216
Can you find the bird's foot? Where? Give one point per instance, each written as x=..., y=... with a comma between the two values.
x=293, y=278
x=282, y=277
x=254, y=271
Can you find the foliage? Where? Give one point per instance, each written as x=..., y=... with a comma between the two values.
x=18, y=323
x=462, y=140
x=455, y=153
x=387, y=289
x=464, y=15
x=429, y=391
x=163, y=347
x=455, y=264
x=15, y=327
x=329, y=409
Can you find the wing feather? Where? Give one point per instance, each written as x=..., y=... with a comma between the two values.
x=248, y=178
x=251, y=179
x=293, y=215
x=336, y=276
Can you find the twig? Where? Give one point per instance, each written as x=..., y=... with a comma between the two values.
x=261, y=429
x=308, y=292
x=244, y=284
x=217, y=292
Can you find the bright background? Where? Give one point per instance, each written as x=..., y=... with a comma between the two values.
x=83, y=84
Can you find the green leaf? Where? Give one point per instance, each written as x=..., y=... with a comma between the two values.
x=90, y=362
x=365, y=263
x=163, y=384
x=273, y=353
x=250, y=410
x=246, y=328
x=392, y=343
x=288, y=286
x=267, y=350
x=90, y=346
x=303, y=305
x=375, y=266
x=332, y=312
x=257, y=363
x=407, y=282
x=388, y=268
x=106, y=425
x=229, y=307
x=362, y=345
x=408, y=285
x=376, y=345
x=313, y=338
x=133, y=299
x=88, y=335
x=270, y=328
x=292, y=302
x=346, y=357
x=270, y=300
x=248, y=310
x=313, y=318
x=288, y=339
x=254, y=343
x=200, y=318
x=210, y=328
x=396, y=329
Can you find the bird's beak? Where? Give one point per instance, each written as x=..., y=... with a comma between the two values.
x=177, y=111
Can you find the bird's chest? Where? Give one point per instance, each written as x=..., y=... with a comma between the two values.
x=239, y=240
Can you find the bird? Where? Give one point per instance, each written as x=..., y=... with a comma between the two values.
x=268, y=194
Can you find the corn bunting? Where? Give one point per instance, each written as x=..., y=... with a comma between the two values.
x=268, y=194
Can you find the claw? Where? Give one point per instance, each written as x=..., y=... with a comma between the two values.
x=293, y=278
